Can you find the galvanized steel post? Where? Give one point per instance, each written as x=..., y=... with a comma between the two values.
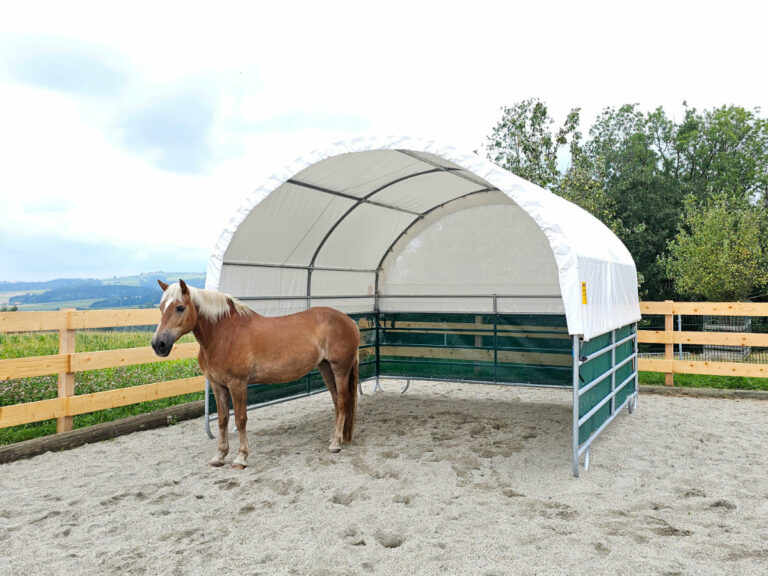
x=575, y=351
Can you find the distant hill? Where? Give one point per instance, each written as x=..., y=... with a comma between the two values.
x=139, y=291
x=48, y=285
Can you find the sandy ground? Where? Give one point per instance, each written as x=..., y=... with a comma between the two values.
x=447, y=479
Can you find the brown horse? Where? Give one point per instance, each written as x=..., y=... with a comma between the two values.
x=239, y=346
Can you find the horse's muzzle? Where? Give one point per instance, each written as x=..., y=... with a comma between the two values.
x=162, y=344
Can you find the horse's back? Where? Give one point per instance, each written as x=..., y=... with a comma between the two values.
x=331, y=316
x=321, y=323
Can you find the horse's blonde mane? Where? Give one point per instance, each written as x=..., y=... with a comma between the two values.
x=210, y=305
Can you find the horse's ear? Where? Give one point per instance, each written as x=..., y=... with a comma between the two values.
x=184, y=289
x=162, y=284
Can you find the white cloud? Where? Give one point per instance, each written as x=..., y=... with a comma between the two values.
x=284, y=78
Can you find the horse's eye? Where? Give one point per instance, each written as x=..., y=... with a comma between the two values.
x=180, y=309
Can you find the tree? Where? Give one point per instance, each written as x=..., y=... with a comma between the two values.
x=635, y=170
x=523, y=143
x=629, y=149
x=720, y=251
x=724, y=150
x=581, y=185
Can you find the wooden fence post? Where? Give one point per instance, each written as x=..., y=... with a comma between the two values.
x=669, y=347
x=66, y=379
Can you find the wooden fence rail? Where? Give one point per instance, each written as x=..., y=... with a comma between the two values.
x=68, y=361
x=669, y=337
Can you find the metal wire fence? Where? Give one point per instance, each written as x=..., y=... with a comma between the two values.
x=708, y=352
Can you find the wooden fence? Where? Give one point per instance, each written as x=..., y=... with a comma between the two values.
x=669, y=337
x=68, y=361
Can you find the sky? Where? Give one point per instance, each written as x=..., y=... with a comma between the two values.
x=131, y=132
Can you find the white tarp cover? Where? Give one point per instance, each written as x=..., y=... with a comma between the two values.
x=429, y=229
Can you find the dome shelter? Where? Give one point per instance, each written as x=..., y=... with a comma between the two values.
x=454, y=268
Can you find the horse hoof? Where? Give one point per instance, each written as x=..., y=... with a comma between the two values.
x=238, y=466
x=334, y=449
x=215, y=464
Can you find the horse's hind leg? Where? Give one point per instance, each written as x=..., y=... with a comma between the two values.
x=329, y=377
x=330, y=383
x=240, y=402
x=340, y=375
x=222, y=409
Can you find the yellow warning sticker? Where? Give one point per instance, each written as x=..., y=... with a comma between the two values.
x=583, y=292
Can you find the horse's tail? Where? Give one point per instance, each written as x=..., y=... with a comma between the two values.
x=351, y=404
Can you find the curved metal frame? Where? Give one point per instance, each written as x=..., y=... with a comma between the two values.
x=412, y=224
x=358, y=201
x=367, y=199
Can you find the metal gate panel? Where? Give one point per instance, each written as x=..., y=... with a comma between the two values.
x=604, y=381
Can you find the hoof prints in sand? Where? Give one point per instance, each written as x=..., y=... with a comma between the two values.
x=445, y=479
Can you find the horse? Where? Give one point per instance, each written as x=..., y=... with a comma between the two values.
x=239, y=346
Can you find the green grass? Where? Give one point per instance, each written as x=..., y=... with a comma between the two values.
x=43, y=387
x=704, y=381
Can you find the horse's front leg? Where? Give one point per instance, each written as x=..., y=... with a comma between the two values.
x=239, y=392
x=222, y=410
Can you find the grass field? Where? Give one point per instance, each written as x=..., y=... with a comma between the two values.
x=43, y=387
x=44, y=306
x=5, y=297
x=704, y=381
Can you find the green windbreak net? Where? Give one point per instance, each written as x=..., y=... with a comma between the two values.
x=312, y=382
x=596, y=368
x=522, y=349
x=503, y=348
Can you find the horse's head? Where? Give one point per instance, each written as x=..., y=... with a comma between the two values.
x=179, y=317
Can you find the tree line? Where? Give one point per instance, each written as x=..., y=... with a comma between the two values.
x=688, y=198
